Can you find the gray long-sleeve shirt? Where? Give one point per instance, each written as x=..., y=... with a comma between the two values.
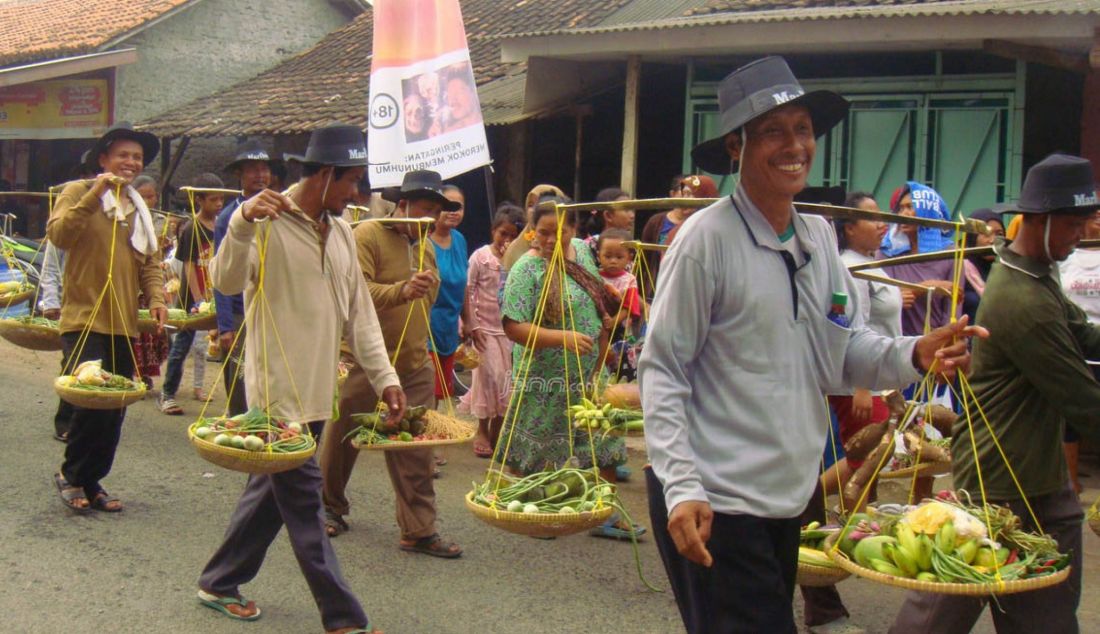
x=739, y=355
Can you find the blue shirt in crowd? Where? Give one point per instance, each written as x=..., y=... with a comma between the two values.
x=452, y=264
x=230, y=308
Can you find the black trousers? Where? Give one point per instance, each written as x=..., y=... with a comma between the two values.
x=94, y=433
x=750, y=586
x=269, y=501
x=822, y=604
x=233, y=377
x=61, y=419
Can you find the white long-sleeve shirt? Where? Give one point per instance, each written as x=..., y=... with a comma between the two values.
x=315, y=294
x=739, y=355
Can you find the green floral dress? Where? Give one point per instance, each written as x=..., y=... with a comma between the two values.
x=542, y=429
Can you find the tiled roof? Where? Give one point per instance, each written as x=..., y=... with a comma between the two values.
x=725, y=12
x=330, y=82
x=37, y=30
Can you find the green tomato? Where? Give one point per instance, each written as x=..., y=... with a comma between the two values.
x=253, y=443
x=202, y=432
x=567, y=510
x=223, y=440
x=530, y=508
x=237, y=442
x=515, y=506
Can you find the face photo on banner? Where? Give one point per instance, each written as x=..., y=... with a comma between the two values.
x=439, y=101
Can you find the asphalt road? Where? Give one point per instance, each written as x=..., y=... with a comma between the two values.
x=136, y=571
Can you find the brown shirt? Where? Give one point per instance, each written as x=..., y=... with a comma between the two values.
x=388, y=259
x=78, y=225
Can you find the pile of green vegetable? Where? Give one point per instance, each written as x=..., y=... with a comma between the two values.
x=610, y=420
x=33, y=320
x=565, y=491
x=811, y=545
x=91, y=376
x=376, y=429
x=949, y=541
x=254, y=430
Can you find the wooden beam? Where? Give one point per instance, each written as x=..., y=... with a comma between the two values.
x=630, y=124
x=166, y=177
x=1038, y=55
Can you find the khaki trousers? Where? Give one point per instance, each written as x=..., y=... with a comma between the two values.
x=410, y=471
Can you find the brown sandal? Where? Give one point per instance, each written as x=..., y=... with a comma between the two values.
x=433, y=545
x=106, y=502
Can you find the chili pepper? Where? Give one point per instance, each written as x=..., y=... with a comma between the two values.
x=1012, y=557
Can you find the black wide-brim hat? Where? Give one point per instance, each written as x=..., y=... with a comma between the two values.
x=420, y=184
x=1058, y=184
x=334, y=146
x=251, y=150
x=756, y=89
x=120, y=131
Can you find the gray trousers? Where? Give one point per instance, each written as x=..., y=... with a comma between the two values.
x=269, y=501
x=1051, y=610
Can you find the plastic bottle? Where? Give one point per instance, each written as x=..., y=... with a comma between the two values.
x=838, y=311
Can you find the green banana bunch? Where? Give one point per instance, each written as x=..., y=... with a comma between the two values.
x=945, y=538
x=587, y=414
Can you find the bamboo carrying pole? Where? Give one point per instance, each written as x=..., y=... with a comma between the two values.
x=968, y=225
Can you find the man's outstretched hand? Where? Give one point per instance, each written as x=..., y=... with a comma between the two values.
x=949, y=346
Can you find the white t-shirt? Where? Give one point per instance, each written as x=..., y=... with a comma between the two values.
x=880, y=303
x=1080, y=274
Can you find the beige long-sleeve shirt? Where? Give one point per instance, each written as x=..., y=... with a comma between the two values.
x=301, y=298
x=79, y=226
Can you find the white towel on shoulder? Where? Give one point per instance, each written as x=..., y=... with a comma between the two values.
x=144, y=236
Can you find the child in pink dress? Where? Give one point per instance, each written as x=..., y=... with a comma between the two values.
x=615, y=262
x=490, y=389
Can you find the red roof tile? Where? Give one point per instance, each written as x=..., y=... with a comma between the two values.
x=34, y=30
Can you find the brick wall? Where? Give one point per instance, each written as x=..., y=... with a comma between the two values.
x=208, y=47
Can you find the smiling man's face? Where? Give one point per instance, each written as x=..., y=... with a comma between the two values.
x=779, y=151
x=123, y=159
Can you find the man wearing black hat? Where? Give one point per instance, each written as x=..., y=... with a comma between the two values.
x=107, y=230
x=252, y=167
x=309, y=296
x=741, y=350
x=1030, y=380
x=389, y=255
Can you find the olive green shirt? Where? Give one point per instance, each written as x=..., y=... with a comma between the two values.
x=1030, y=378
x=388, y=259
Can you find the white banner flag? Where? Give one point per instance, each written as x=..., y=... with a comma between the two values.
x=424, y=112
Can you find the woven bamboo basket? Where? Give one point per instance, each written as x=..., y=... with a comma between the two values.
x=964, y=589
x=255, y=462
x=96, y=399
x=921, y=470
x=31, y=336
x=437, y=424
x=539, y=524
x=819, y=576
x=14, y=299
